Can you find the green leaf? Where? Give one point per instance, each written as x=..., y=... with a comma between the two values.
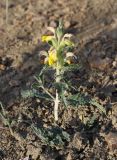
x=39, y=80
x=39, y=132
x=92, y=120
x=60, y=86
x=78, y=99
x=3, y=110
x=54, y=43
x=66, y=136
x=42, y=71
x=71, y=67
x=54, y=136
x=28, y=93
x=33, y=93
x=99, y=106
x=59, y=31
x=3, y=116
x=58, y=140
x=63, y=98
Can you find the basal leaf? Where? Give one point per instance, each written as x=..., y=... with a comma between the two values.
x=34, y=93
x=99, y=106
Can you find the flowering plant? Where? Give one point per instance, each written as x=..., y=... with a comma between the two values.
x=58, y=56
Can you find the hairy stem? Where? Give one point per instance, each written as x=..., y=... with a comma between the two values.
x=56, y=102
x=56, y=106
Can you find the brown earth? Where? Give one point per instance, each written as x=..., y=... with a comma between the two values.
x=94, y=26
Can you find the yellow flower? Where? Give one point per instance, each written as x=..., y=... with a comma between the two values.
x=46, y=38
x=52, y=59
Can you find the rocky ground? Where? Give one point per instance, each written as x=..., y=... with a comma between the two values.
x=94, y=26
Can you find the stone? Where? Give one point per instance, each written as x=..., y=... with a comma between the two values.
x=67, y=24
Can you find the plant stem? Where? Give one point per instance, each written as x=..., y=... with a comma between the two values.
x=56, y=102
x=56, y=106
x=46, y=91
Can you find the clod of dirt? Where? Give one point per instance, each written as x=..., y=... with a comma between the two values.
x=26, y=158
x=1, y=154
x=45, y=158
x=18, y=137
x=111, y=140
x=98, y=63
x=78, y=141
x=69, y=157
x=14, y=83
x=33, y=151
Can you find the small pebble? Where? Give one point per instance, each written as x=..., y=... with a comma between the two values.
x=67, y=24
x=114, y=64
x=53, y=24
x=2, y=67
